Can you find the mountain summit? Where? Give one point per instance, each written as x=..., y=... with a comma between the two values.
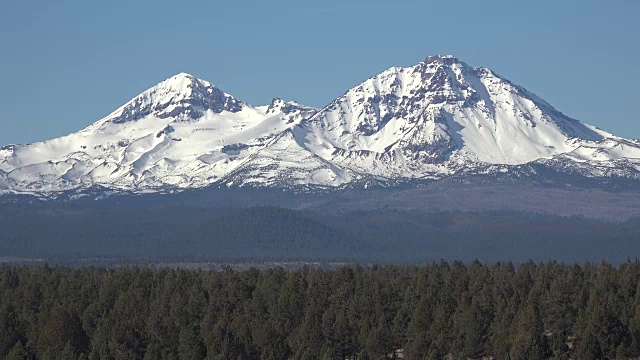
x=436, y=119
x=181, y=96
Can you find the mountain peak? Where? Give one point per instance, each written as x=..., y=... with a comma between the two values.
x=182, y=96
x=279, y=105
x=183, y=83
x=184, y=75
x=438, y=118
x=442, y=59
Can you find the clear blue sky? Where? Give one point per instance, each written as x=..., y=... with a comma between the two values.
x=66, y=64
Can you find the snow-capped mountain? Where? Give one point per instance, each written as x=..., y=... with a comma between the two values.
x=183, y=132
x=432, y=120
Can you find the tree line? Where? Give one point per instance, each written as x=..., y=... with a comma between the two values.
x=443, y=310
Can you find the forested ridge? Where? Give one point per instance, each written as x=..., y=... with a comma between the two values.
x=532, y=311
x=68, y=233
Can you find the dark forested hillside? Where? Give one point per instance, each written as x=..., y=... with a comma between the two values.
x=57, y=232
x=189, y=234
x=534, y=311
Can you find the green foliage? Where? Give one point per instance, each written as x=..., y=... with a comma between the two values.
x=18, y=352
x=537, y=311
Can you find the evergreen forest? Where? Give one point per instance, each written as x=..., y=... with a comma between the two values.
x=455, y=310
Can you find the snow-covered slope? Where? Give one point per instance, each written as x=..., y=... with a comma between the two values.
x=437, y=118
x=434, y=119
x=183, y=133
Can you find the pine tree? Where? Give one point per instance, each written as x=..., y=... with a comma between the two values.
x=67, y=353
x=9, y=332
x=529, y=341
x=190, y=345
x=18, y=352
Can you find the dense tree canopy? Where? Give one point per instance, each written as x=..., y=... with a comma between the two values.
x=534, y=311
